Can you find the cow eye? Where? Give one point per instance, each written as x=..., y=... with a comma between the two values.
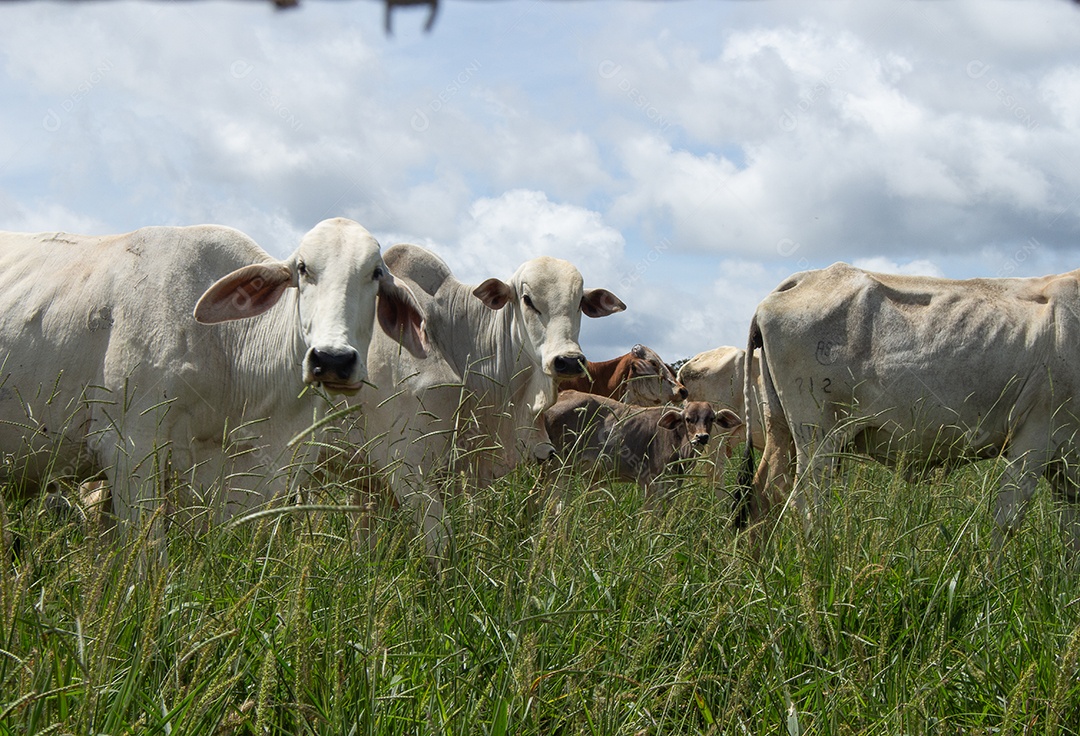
x=528, y=302
x=378, y=273
x=301, y=268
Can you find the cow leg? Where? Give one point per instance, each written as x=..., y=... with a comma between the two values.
x=774, y=478
x=95, y=497
x=1070, y=520
x=5, y=534
x=717, y=458
x=1018, y=484
x=365, y=496
x=815, y=460
x=136, y=483
x=542, y=448
x=430, y=517
x=1066, y=487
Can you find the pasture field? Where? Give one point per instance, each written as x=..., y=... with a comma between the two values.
x=598, y=618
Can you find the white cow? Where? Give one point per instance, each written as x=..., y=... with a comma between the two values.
x=474, y=405
x=104, y=368
x=920, y=371
x=716, y=376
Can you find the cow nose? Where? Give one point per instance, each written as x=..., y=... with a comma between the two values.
x=326, y=364
x=701, y=438
x=682, y=395
x=569, y=365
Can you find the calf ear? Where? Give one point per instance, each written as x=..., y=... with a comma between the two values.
x=246, y=292
x=600, y=303
x=671, y=419
x=400, y=316
x=494, y=293
x=728, y=419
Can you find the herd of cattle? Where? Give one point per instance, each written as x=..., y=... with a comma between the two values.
x=179, y=363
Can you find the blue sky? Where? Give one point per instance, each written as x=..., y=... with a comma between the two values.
x=686, y=155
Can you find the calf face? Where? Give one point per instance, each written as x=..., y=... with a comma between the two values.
x=637, y=444
x=693, y=425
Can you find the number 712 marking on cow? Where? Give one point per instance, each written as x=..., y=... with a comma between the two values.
x=825, y=384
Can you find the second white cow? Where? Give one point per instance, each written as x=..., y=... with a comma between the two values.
x=474, y=405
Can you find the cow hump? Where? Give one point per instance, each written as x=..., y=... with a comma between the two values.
x=419, y=265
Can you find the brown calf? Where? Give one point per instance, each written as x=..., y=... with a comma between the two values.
x=634, y=443
x=640, y=377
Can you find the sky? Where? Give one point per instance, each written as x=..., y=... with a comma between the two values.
x=686, y=155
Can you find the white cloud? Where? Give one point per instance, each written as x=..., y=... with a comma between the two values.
x=501, y=233
x=880, y=264
x=850, y=143
x=40, y=217
x=738, y=142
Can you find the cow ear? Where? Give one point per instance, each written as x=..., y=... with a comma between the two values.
x=671, y=419
x=640, y=368
x=494, y=293
x=246, y=292
x=400, y=316
x=728, y=419
x=600, y=303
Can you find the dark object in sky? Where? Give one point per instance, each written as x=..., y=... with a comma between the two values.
x=391, y=4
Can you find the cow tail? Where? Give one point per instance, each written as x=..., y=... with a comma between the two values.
x=744, y=488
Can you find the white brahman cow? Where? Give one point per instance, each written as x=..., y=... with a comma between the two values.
x=103, y=366
x=474, y=406
x=922, y=372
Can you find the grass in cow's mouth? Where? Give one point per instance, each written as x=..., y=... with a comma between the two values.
x=594, y=618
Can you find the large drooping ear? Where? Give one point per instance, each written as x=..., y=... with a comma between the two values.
x=600, y=303
x=671, y=419
x=400, y=317
x=246, y=292
x=728, y=419
x=494, y=293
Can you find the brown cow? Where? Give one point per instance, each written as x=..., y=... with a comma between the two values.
x=640, y=377
x=635, y=443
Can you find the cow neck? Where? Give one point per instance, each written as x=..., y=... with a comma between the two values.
x=267, y=353
x=603, y=376
x=478, y=340
x=483, y=346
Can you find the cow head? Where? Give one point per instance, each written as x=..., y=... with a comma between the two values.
x=651, y=380
x=547, y=299
x=694, y=423
x=342, y=287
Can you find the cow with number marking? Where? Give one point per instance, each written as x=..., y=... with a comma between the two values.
x=920, y=372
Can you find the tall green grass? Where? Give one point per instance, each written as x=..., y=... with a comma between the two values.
x=595, y=617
